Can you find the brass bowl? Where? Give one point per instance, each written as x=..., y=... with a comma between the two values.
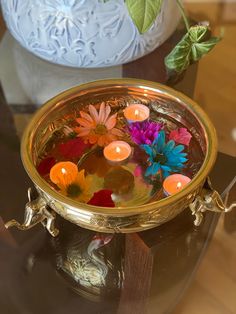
x=118, y=219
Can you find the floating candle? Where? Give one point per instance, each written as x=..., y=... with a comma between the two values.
x=136, y=113
x=64, y=173
x=117, y=151
x=175, y=183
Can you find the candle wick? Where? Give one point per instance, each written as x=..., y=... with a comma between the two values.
x=136, y=112
x=118, y=150
x=179, y=185
x=63, y=170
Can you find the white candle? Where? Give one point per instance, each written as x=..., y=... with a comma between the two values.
x=117, y=151
x=175, y=183
x=136, y=113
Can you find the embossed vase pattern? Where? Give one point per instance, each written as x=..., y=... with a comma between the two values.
x=85, y=33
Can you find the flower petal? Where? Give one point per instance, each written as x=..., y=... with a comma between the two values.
x=117, y=132
x=169, y=146
x=86, y=116
x=155, y=168
x=183, y=160
x=92, y=138
x=178, y=149
x=165, y=174
x=82, y=131
x=181, y=136
x=84, y=122
x=160, y=141
x=73, y=148
x=165, y=168
x=138, y=171
x=102, y=198
x=102, y=140
x=102, y=113
x=45, y=165
x=148, y=171
x=81, y=176
x=111, y=122
x=148, y=149
x=107, y=112
x=144, y=132
x=93, y=113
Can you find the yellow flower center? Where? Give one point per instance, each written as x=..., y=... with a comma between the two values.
x=100, y=129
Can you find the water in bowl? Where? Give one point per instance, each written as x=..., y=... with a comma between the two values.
x=127, y=180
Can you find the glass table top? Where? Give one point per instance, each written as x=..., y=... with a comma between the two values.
x=82, y=271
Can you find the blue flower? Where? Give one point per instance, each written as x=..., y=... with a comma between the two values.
x=166, y=157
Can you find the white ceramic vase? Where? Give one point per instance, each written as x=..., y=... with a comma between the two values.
x=85, y=33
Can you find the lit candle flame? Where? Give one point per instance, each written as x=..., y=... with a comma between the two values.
x=118, y=150
x=179, y=185
x=136, y=112
x=63, y=170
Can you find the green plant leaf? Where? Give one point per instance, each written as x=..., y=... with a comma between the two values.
x=192, y=47
x=143, y=12
x=202, y=49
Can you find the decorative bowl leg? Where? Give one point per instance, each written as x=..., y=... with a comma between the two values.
x=36, y=211
x=210, y=200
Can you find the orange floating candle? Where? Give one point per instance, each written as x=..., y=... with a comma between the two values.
x=70, y=181
x=136, y=113
x=64, y=173
x=175, y=183
x=117, y=151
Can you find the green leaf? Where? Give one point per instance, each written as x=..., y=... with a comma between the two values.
x=179, y=58
x=192, y=47
x=198, y=33
x=143, y=12
x=201, y=49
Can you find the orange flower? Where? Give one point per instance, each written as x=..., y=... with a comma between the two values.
x=70, y=181
x=98, y=127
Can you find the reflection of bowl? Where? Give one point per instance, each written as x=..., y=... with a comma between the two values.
x=119, y=219
x=48, y=79
x=90, y=263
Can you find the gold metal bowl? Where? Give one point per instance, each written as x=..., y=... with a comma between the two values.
x=127, y=219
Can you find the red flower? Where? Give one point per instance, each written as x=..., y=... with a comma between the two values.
x=45, y=165
x=180, y=136
x=74, y=148
x=102, y=198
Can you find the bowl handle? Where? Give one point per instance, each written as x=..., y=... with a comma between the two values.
x=36, y=211
x=210, y=199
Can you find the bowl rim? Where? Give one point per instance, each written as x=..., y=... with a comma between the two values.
x=49, y=106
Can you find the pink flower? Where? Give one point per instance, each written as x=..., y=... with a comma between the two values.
x=181, y=136
x=102, y=198
x=98, y=127
x=138, y=171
